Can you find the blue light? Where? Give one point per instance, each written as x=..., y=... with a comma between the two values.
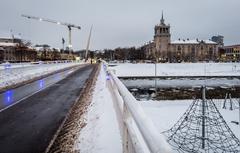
x=108, y=77
x=8, y=97
x=41, y=83
x=7, y=66
x=105, y=67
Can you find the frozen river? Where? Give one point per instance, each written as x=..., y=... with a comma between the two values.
x=182, y=88
x=182, y=82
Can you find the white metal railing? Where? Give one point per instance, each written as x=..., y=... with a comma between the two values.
x=138, y=132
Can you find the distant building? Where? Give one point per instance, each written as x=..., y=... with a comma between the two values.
x=218, y=39
x=13, y=49
x=164, y=50
x=81, y=54
x=1, y=54
x=230, y=53
x=46, y=53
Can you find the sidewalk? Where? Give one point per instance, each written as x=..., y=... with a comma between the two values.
x=101, y=133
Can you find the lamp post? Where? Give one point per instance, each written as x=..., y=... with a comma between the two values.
x=156, y=75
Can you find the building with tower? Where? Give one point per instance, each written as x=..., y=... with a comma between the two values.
x=162, y=39
x=163, y=49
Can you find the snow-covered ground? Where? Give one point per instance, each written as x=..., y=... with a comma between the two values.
x=14, y=65
x=101, y=134
x=23, y=72
x=165, y=114
x=178, y=69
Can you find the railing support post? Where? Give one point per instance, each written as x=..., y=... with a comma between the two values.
x=125, y=130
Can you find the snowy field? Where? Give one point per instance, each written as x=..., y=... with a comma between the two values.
x=18, y=73
x=102, y=134
x=165, y=114
x=178, y=69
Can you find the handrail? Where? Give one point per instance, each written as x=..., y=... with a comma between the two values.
x=154, y=140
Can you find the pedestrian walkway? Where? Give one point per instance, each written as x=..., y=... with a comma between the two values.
x=101, y=133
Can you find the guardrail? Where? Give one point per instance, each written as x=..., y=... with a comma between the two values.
x=138, y=132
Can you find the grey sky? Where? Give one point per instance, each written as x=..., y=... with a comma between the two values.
x=121, y=23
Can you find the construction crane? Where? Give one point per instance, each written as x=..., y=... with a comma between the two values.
x=68, y=25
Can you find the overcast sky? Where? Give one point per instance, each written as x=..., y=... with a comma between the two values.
x=121, y=23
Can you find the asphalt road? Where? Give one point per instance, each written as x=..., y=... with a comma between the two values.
x=13, y=96
x=29, y=126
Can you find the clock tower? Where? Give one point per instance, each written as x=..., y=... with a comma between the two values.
x=162, y=40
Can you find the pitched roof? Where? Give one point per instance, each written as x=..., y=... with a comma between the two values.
x=193, y=41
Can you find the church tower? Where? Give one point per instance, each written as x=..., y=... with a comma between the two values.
x=162, y=40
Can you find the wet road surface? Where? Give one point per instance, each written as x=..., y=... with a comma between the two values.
x=13, y=96
x=29, y=126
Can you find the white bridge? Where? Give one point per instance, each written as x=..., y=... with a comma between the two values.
x=139, y=135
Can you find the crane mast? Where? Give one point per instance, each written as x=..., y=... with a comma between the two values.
x=68, y=25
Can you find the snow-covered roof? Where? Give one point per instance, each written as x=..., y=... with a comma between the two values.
x=39, y=48
x=8, y=44
x=209, y=42
x=231, y=46
x=193, y=41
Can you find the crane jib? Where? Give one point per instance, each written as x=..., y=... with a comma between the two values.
x=70, y=26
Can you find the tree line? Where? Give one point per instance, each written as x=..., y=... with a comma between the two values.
x=121, y=54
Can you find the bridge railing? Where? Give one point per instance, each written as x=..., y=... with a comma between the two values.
x=139, y=135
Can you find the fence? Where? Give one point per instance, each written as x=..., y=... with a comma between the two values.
x=139, y=135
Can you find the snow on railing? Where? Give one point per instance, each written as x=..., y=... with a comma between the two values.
x=138, y=130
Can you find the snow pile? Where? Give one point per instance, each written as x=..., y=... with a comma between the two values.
x=178, y=69
x=101, y=134
x=11, y=76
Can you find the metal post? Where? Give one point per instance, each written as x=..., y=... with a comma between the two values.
x=203, y=115
x=63, y=42
x=231, y=103
x=69, y=38
x=225, y=100
x=156, y=77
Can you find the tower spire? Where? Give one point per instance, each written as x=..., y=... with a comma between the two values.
x=162, y=19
